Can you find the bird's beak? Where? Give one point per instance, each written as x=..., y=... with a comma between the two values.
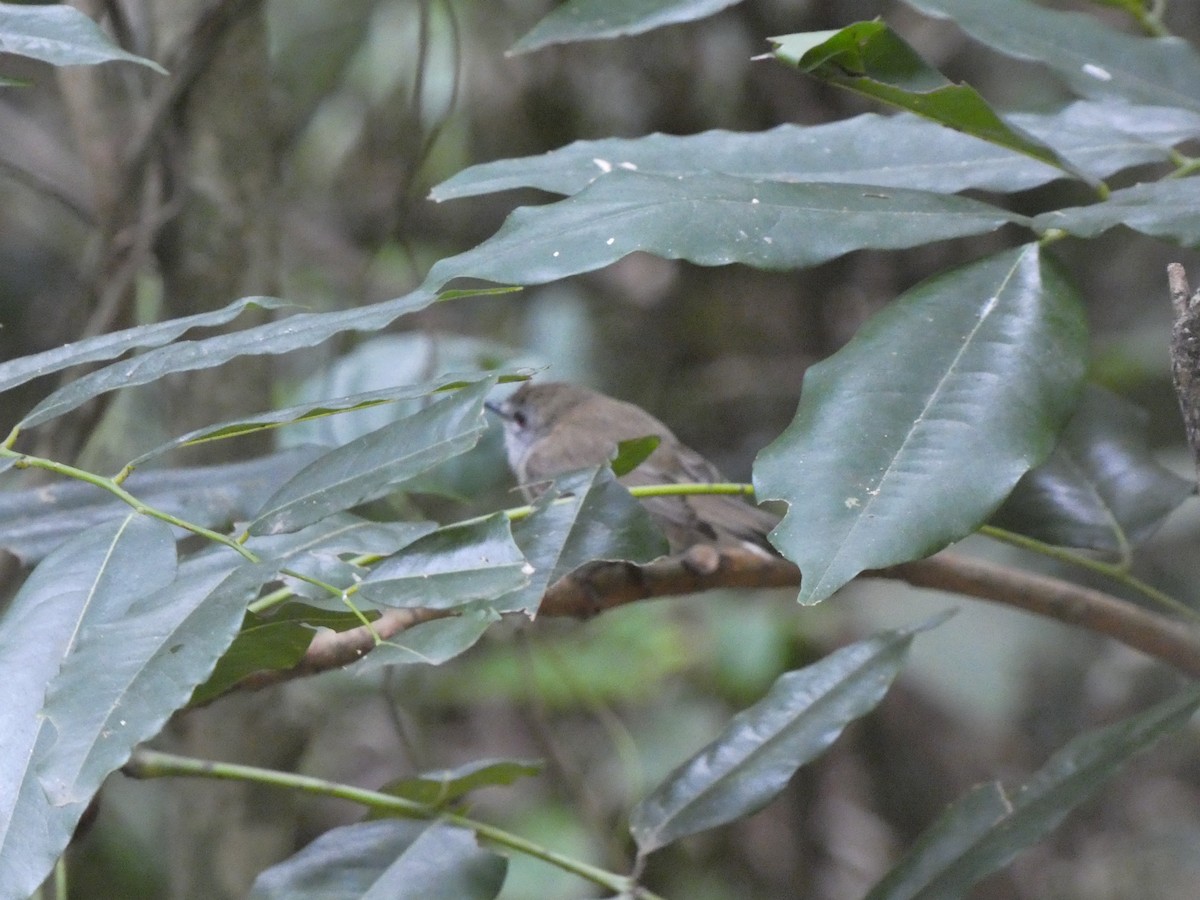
x=496, y=408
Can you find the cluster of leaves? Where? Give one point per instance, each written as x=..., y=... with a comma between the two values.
x=963, y=402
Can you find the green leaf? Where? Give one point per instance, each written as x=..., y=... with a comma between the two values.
x=585, y=516
x=713, y=220
x=369, y=466
x=984, y=830
x=34, y=521
x=93, y=578
x=886, y=151
x=275, y=640
x=446, y=786
x=304, y=412
x=317, y=551
x=1166, y=209
x=634, y=452
x=109, y=346
x=102, y=704
x=590, y=20
x=450, y=567
x=1095, y=60
x=430, y=643
x=61, y=36
x=271, y=338
x=871, y=59
x=911, y=435
x=1101, y=488
x=756, y=755
x=388, y=859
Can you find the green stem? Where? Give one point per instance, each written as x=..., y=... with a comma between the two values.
x=156, y=764
x=1118, y=572
x=689, y=489
x=24, y=461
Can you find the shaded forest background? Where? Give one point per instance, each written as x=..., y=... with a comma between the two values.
x=291, y=154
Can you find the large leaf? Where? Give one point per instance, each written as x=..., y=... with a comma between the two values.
x=713, y=219
x=1167, y=209
x=1101, y=488
x=92, y=579
x=871, y=59
x=319, y=551
x=886, y=151
x=34, y=521
x=61, y=36
x=101, y=704
x=271, y=338
x=753, y=759
x=389, y=859
x=276, y=640
x=911, y=435
x=589, y=20
x=373, y=463
x=989, y=826
x=315, y=409
x=109, y=346
x=1095, y=60
x=585, y=516
x=450, y=567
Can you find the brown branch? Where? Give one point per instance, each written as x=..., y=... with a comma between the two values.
x=603, y=585
x=1185, y=354
x=335, y=649
x=1168, y=640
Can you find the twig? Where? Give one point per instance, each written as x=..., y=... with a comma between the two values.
x=1185, y=354
x=600, y=586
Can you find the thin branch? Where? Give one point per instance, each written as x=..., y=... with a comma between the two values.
x=1185, y=354
x=601, y=586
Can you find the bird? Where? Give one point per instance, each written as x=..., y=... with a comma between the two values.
x=551, y=428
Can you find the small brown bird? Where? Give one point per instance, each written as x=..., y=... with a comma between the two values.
x=551, y=428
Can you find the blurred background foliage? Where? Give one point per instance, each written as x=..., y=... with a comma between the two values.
x=296, y=160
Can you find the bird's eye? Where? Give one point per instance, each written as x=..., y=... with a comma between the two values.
x=519, y=419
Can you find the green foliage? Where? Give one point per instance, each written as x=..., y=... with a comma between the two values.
x=962, y=403
x=61, y=36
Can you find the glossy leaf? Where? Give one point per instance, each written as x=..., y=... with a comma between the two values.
x=275, y=640
x=369, y=466
x=1101, y=488
x=713, y=219
x=871, y=59
x=271, y=338
x=585, y=516
x=450, y=567
x=885, y=151
x=388, y=858
x=93, y=578
x=1166, y=209
x=303, y=412
x=911, y=435
x=441, y=788
x=988, y=827
x=589, y=20
x=319, y=550
x=101, y=704
x=104, y=347
x=34, y=521
x=756, y=755
x=1094, y=59
x=61, y=36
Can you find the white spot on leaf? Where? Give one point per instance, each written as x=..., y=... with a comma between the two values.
x=1097, y=72
x=603, y=165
